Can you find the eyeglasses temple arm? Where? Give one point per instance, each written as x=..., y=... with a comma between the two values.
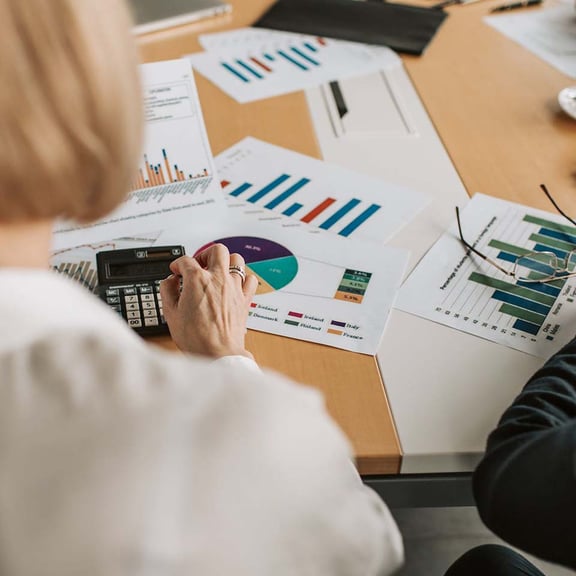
x=545, y=190
x=472, y=249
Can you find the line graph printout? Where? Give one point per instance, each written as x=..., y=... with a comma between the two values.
x=270, y=183
x=332, y=291
x=176, y=170
x=79, y=262
x=459, y=289
x=250, y=65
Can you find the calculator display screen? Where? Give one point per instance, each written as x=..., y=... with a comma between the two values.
x=144, y=270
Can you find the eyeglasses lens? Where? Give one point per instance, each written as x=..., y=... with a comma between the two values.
x=537, y=266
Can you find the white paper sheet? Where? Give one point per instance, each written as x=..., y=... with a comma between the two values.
x=460, y=290
x=332, y=291
x=177, y=169
x=549, y=33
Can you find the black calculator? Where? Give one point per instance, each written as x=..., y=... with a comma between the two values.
x=129, y=282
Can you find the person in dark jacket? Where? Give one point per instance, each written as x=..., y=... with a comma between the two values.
x=525, y=486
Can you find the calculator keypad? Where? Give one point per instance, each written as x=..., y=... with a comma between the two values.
x=140, y=305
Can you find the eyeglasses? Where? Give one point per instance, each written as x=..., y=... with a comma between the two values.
x=533, y=266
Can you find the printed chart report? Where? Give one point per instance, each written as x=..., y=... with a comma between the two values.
x=271, y=183
x=251, y=65
x=176, y=169
x=458, y=289
x=79, y=263
x=332, y=291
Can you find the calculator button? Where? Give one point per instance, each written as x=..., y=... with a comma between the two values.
x=113, y=300
x=159, y=297
x=117, y=308
x=150, y=314
x=133, y=314
x=145, y=289
x=148, y=306
x=112, y=292
x=151, y=321
x=147, y=297
x=135, y=322
x=129, y=291
x=162, y=319
x=132, y=307
x=130, y=299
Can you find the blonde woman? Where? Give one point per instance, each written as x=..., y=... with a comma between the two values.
x=117, y=458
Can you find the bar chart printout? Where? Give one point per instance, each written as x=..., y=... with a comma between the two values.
x=79, y=263
x=250, y=65
x=459, y=289
x=271, y=183
x=176, y=172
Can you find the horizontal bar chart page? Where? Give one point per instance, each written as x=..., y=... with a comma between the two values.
x=79, y=263
x=176, y=170
x=333, y=291
x=270, y=183
x=250, y=64
x=455, y=287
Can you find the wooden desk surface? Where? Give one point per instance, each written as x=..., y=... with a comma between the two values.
x=493, y=104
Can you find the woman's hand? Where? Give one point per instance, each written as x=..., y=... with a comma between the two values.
x=208, y=315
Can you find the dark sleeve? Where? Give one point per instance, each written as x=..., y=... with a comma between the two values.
x=525, y=487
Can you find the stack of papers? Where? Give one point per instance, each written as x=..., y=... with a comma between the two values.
x=311, y=233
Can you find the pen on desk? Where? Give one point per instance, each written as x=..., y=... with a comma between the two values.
x=515, y=5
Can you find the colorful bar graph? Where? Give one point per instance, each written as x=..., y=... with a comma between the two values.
x=292, y=199
x=285, y=195
x=525, y=302
x=160, y=174
x=338, y=215
x=268, y=188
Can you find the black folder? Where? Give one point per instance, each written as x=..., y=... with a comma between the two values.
x=401, y=27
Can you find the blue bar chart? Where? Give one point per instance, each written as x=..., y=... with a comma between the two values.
x=346, y=216
x=302, y=56
x=457, y=288
x=251, y=64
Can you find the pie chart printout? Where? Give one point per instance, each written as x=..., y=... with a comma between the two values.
x=273, y=264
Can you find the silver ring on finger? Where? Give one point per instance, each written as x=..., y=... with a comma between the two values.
x=239, y=271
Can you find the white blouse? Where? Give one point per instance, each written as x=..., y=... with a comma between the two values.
x=118, y=458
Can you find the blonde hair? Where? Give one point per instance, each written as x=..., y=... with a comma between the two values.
x=70, y=108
